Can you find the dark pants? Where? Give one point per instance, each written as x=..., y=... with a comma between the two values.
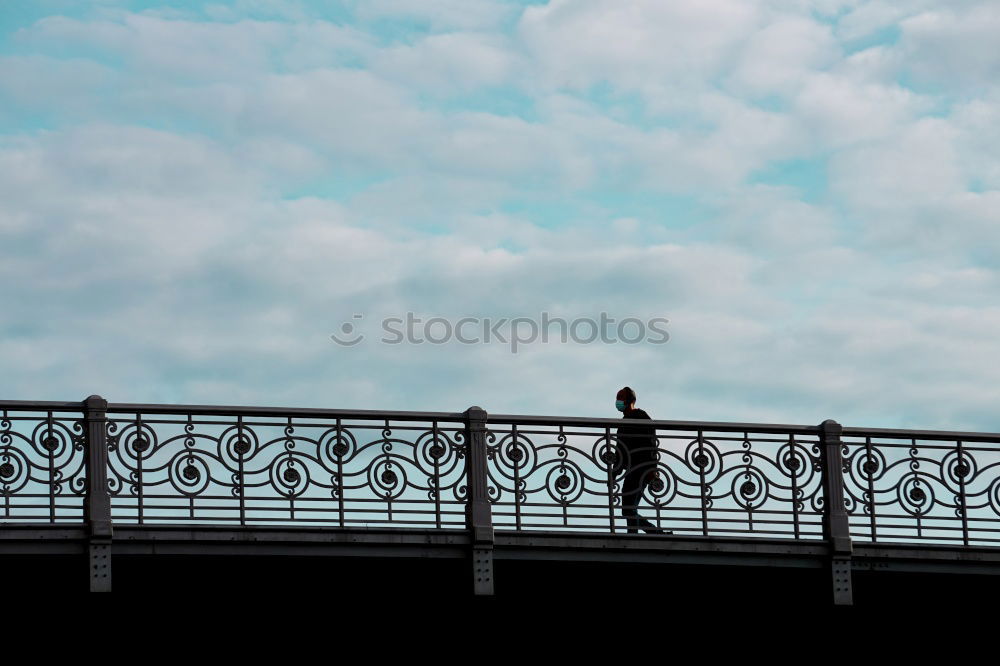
x=637, y=477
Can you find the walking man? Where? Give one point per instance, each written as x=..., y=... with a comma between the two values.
x=637, y=448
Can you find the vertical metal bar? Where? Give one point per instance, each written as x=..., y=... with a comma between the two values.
x=388, y=494
x=562, y=469
x=961, y=492
x=291, y=462
x=565, y=505
x=386, y=433
x=701, y=482
x=658, y=502
x=478, y=512
x=836, y=529
x=97, y=502
x=242, y=489
x=340, y=474
x=6, y=440
x=749, y=458
x=611, y=458
x=870, y=471
x=189, y=442
x=914, y=465
x=517, y=476
x=138, y=462
x=792, y=460
x=49, y=445
x=437, y=475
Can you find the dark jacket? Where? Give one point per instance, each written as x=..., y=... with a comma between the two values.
x=638, y=439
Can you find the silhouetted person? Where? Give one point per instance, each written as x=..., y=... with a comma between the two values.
x=637, y=447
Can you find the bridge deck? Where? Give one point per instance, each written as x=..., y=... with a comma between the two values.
x=362, y=563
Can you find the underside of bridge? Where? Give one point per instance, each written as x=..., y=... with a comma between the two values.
x=401, y=565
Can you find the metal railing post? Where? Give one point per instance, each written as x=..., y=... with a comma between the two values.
x=97, y=501
x=478, y=512
x=836, y=529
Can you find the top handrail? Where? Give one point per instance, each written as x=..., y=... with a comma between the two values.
x=307, y=412
x=520, y=419
x=716, y=426
x=41, y=405
x=923, y=434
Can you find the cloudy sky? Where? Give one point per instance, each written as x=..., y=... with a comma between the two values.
x=195, y=196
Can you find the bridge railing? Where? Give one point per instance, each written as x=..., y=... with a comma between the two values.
x=922, y=486
x=72, y=463
x=722, y=479
x=251, y=466
x=42, y=462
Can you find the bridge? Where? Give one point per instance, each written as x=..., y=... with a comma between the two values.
x=490, y=505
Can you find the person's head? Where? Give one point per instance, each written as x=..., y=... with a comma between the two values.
x=625, y=400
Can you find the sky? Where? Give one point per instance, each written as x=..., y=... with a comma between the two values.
x=195, y=196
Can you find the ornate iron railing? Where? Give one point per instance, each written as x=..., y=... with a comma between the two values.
x=922, y=486
x=722, y=479
x=42, y=463
x=248, y=466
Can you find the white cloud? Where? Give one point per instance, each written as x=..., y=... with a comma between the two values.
x=840, y=111
x=449, y=63
x=869, y=17
x=952, y=47
x=578, y=44
x=779, y=56
x=38, y=81
x=440, y=15
x=771, y=220
x=160, y=264
x=915, y=165
x=177, y=49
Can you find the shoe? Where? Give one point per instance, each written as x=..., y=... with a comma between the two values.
x=656, y=530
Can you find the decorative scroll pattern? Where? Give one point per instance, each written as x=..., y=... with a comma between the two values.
x=255, y=470
x=42, y=476
x=916, y=490
x=735, y=484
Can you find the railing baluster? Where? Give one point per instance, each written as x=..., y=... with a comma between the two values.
x=386, y=433
x=961, y=471
x=748, y=458
x=6, y=440
x=516, y=454
x=700, y=463
x=870, y=466
x=290, y=445
x=338, y=450
x=914, y=466
x=562, y=470
x=189, y=444
x=793, y=464
x=611, y=458
x=241, y=489
x=49, y=444
x=437, y=474
x=138, y=462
